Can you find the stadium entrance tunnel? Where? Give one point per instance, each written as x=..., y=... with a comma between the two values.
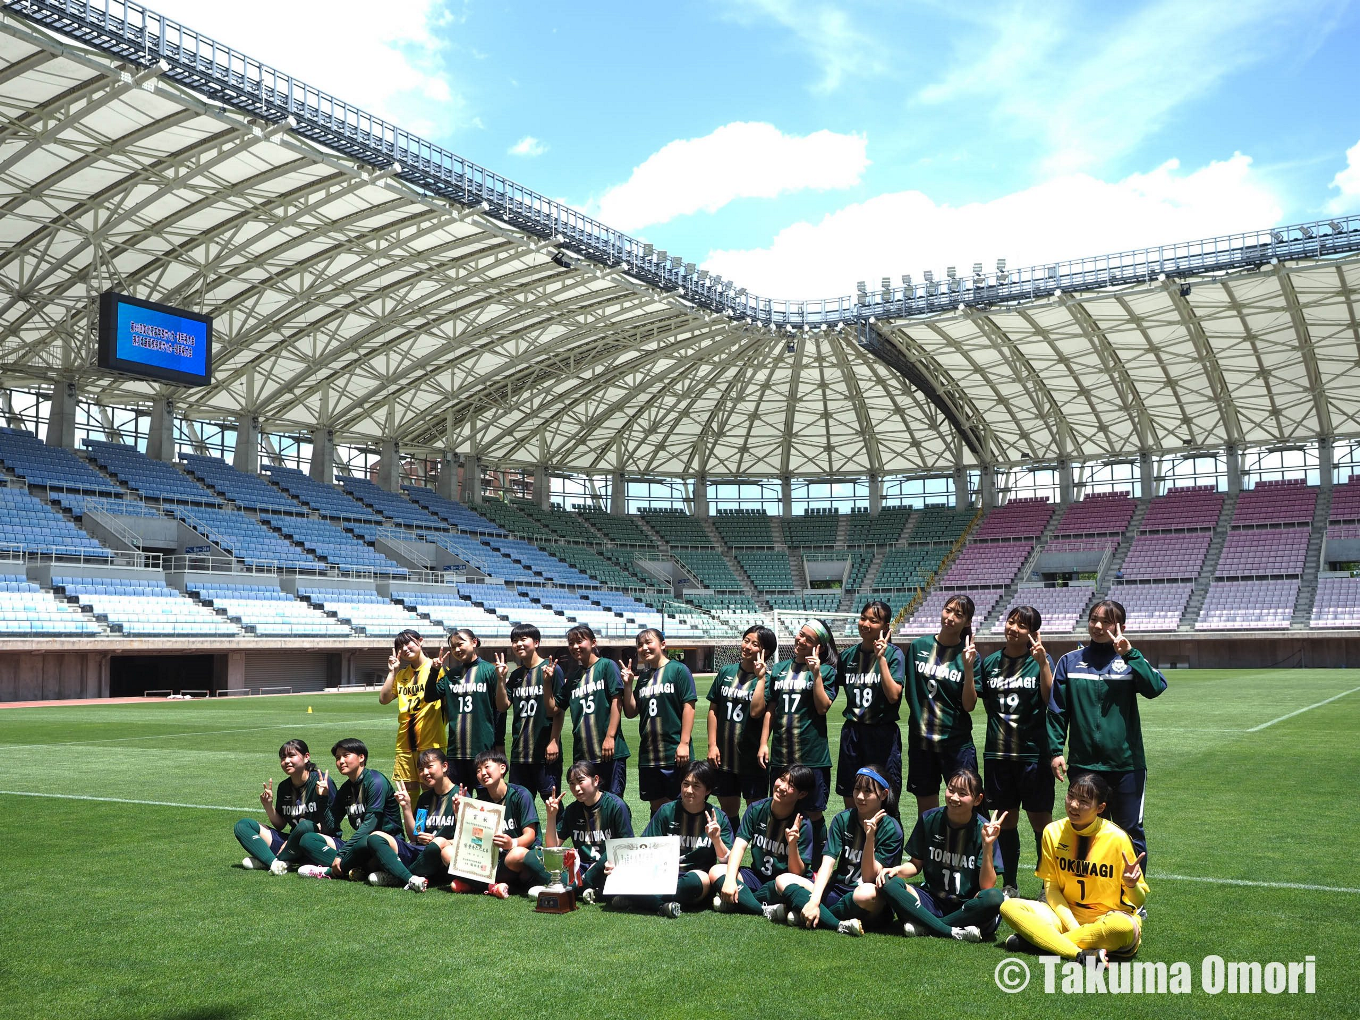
x=131, y=676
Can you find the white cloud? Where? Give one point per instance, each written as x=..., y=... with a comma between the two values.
x=389, y=65
x=739, y=160
x=1347, y=182
x=527, y=146
x=825, y=31
x=1066, y=217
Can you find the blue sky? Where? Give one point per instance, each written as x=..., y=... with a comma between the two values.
x=800, y=146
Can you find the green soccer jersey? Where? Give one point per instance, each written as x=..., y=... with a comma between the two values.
x=589, y=699
x=661, y=699
x=1095, y=705
x=589, y=827
x=951, y=858
x=935, y=695
x=519, y=811
x=857, y=671
x=436, y=814
x=845, y=843
x=533, y=697
x=696, y=849
x=302, y=803
x=1017, y=723
x=469, y=693
x=369, y=804
x=797, y=729
x=738, y=734
x=766, y=836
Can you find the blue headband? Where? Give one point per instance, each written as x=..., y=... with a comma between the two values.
x=874, y=776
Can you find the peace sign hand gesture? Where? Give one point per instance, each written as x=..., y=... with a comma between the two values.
x=760, y=664
x=992, y=827
x=1037, y=651
x=502, y=669
x=323, y=785
x=881, y=646
x=393, y=662
x=793, y=832
x=712, y=827
x=552, y=804
x=267, y=794
x=1122, y=645
x=970, y=652
x=814, y=664
x=1133, y=870
x=549, y=667
x=403, y=797
x=871, y=825
x=626, y=673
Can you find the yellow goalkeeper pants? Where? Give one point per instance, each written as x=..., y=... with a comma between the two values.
x=1116, y=932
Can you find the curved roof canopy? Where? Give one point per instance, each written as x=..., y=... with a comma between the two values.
x=358, y=293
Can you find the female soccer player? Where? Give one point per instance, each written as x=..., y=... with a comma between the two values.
x=1094, y=710
x=780, y=840
x=663, y=704
x=534, y=689
x=1093, y=884
x=295, y=806
x=734, y=726
x=593, y=817
x=705, y=834
x=796, y=697
x=518, y=867
x=416, y=859
x=941, y=693
x=1014, y=684
x=472, y=694
x=595, y=702
x=872, y=674
x=953, y=849
x=420, y=722
x=366, y=801
x=861, y=842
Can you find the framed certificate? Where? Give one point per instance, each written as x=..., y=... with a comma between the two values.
x=475, y=853
x=643, y=867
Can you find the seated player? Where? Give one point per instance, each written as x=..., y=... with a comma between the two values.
x=704, y=832
x=595, y=699
x=860, y=842
x=1093, y=885
x=780, y=840
x=294, y=807
x=535, y=690
x=366, y=800
x=734, y=724
x=593, y=817
x=518, y=867
x=954, y=849
x=417, y=859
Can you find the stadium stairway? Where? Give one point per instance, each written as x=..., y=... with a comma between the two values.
x=1206, y=574
x=842, y=530
x=730, y=558
x=799, y=570
x=1026, y=568
x=874, y=565
x=1308, y=583
x=1121, y=553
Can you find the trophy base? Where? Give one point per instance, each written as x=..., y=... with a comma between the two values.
x=563, y=902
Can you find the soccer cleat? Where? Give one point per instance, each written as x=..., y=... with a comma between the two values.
x=278, y=867
x=722, y=906
x=459, y=886
x=356, y=875
x=587, y=896
x=909, y=930
x=669, y=909
x=534, y=890
x=417, y=884
x=251, y=864
x=775, y=913
x=313, y=871
x=384, y=878
x=499, y=890
x=794, y=919
x=1142, y=912
x=1098, y=955
x=1015, y=944
x=1010, y=892
x=968, y=933
x=851, y=927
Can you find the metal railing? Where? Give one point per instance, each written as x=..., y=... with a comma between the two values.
x=105, y=515
x=142, y=37
x=71, y=556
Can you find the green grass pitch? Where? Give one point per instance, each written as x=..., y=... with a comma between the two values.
x=134, y=904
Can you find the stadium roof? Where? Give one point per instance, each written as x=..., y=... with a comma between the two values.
x=365, y=280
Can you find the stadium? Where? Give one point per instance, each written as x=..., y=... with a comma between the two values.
x=437, y=399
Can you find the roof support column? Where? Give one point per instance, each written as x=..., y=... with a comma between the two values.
x=389, y=465
x=472, y=479
x=875, y=493
x=988, y=486
x=701, y=495
x=322, y=467
x=1147, y=475
x=160, y=442
x=246, y=456
x=618, y=494
x=786, y=494
x=447, y=482
x=541, y=485
x=61, y=420
x=1234, y=458
x=1066, y=490
x=1325, y=463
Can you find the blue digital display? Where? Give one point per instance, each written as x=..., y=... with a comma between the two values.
x=157, y=341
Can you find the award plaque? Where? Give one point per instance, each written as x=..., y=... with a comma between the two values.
x=643, y=867
x=555, y=898
x=475, y=854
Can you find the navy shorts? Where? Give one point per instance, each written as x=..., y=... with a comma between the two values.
x=276, y=839
x=613, y=774
x=835, y=893
x=537, y=777
x=869, y=744
x=462, y=772
x=942, y=906
x=927, y=768
x=1125, y=807
x=815, y=801
x=1027, y=784
x=408, y=852
x=751, y=784
x=656, y=782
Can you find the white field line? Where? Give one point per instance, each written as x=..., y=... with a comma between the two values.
x=1300, y=711
x=1157, y=875
x=124, y=800
x=360, y=720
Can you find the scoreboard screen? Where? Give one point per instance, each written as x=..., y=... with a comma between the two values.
x=155, y=341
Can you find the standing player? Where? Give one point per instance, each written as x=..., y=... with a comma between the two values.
x=594, y=700
x=1094, y=709
x=1093, y=885
x=941, y=693
x=534, y=690
x=420, y=722
x=872, y=674
x=416, y=859
x=780, y=840
x=953, y=850
x=295, y=806
x=800, y=693
x=663, y=704
x=1014, y=684
x=734, y=725
x=592, y=818
x=366, y=801
x=472, y=692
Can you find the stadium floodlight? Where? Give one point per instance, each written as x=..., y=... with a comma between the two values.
x=1277, y=236
x=906, y=281
x=647, y=250
x=1337, y=228
x=952, y=273
x=689, y=268
x=1306, y=231
x=703, y=275
x=860, y=288
x=741, y=292
x=930, y=276
x=887, y=285
x=1001, y=275
x=661, y=256
x=977, y=269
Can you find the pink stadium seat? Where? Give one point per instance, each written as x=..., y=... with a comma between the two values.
x=1248, y=605
x=1098, y=514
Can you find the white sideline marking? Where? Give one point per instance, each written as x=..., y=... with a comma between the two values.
x=122, y=800
x=1260, y=885
x=361, y=720
x=1300, y=711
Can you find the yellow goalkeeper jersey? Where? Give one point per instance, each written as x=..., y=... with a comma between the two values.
x=420, y=723
x=1086, y=866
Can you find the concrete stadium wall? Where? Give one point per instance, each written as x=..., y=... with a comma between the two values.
x=51, y=676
